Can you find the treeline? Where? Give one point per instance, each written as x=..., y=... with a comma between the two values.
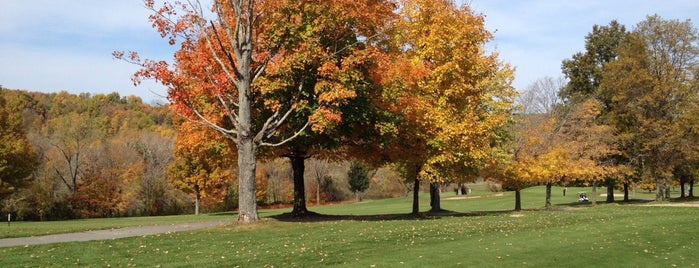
x=423, y=95
x=90, y=156
x=624, y=117
x=411, y=83
x=65, y=156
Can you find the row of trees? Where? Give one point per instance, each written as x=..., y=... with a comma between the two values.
x=625, y=114
x=76, y=156
x=85, y=156
x=410, y=83
x=406, y=82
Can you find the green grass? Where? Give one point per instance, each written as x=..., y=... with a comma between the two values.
x=568, y=236
x=480, y=200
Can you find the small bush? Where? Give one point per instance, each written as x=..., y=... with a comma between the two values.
x=493, y=186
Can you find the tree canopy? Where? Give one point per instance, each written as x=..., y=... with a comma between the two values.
x=18, y=158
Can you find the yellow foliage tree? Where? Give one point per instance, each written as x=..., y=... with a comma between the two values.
x=449, y=91
x=552, y=143
x=203, y=164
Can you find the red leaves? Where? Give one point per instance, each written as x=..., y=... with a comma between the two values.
x=315, y=54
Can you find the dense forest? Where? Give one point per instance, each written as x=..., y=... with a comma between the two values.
x=77, y=156
x=90, y=156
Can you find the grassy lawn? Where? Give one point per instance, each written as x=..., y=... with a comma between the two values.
x=573, y=236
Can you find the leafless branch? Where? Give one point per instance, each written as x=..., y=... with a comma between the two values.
x=230, y=133
x=288, y=139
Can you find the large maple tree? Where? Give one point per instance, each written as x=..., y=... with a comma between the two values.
x=450, y=94
x=333, y=72
x=259, y=65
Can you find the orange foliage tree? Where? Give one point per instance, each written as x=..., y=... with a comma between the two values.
x=255, y=65
x=332, y=72
x=593, y=146
x=530, y=154
x=553, y=144
x=99, y=194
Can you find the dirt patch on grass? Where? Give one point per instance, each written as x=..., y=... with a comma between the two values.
x=109, y=234
x=461, y=197
x=684, y=204
x=615, y=195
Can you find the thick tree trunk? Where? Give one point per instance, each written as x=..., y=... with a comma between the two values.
x=659, y=195
x=594, y=193
x=518, y=199
x=548, y=194
x=667, y=189
x=682, y=189
x=610, y=190
x=691, y=188
x=416, y=196
x=434, y=197
x=247, y=203
x=246, y=139
x=298, y=167
x=626, y=191
x=197, y=199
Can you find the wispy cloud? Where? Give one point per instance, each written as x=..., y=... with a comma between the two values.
x=66, y=45
x=50, y=45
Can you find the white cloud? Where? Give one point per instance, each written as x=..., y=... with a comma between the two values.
x=106, y=15
x=67, y=45
x=52, y=45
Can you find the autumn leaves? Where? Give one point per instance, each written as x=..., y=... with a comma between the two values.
x=261, y=73
x=452, y=96
x=625, y=115
x=405, y=82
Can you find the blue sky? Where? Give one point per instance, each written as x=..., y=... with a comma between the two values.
x=536, y=35
x=52, y=45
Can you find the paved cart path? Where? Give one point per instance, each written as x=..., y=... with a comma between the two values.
x=108, y=234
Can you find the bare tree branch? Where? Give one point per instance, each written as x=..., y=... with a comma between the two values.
x=288, y=139
x=230, y=133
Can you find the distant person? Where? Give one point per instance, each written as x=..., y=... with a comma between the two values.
x=565, y=189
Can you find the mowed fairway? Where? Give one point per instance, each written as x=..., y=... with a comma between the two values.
x=484, y=234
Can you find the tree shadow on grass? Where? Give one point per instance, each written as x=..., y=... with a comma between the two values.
x=604, y=202
x=317, y=217
x=311, y=216
x=633, y=201
x=684, y=199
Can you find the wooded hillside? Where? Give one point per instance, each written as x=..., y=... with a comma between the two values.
x=78, y=156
